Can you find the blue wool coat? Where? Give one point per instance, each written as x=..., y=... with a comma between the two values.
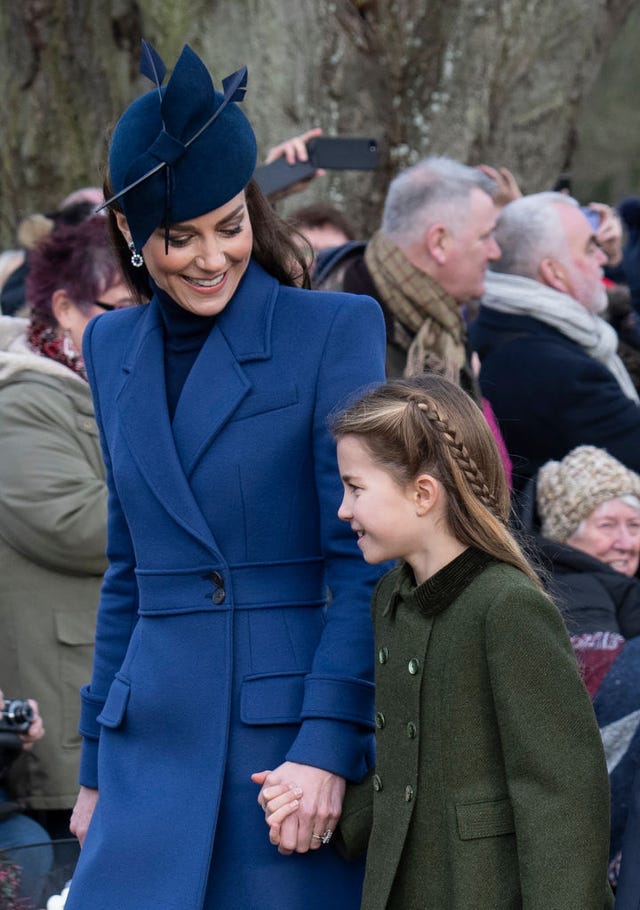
x=549, y=395
x=216, y=654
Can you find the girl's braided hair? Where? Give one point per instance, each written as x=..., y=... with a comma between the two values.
x=427, y=424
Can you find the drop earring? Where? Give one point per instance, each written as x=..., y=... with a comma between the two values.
x=136, y=258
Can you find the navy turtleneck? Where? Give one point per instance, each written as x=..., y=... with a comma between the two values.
x=185, y=334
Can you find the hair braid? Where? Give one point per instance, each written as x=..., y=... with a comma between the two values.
x=461, y=456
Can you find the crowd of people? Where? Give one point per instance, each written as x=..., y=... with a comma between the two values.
x=319, y=554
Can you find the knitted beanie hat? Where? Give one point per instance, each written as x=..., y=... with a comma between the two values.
x=569, y=490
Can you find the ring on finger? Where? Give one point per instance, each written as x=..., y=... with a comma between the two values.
x=325, y=838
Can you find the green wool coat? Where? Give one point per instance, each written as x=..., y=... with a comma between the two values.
x=490, y=789
x=53, y=505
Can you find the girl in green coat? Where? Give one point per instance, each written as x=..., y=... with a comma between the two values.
x=490, y=787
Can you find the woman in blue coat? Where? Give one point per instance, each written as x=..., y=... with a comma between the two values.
x=216, y=652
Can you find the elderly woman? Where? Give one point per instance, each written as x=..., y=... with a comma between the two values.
x=53, y=504
x=589, y=509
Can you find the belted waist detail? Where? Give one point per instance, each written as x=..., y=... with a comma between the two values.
x=247, y=586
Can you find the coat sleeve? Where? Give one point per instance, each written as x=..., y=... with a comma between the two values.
x=53, y=501
x=337, y=711
x=553, y=755
x=117, y=612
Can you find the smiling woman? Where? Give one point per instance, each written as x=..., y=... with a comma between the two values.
x=217, y=654
x=589, y=506
x=206, y=257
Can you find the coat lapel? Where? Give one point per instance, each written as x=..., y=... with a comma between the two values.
x=217, y=384
x=145, y=422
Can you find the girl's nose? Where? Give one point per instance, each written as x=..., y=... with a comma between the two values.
x=344, y=512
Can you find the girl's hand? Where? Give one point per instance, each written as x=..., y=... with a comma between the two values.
x=278, y=802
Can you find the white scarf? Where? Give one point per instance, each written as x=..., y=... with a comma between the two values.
x=526, y=297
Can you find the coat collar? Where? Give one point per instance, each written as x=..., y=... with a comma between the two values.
x=167, y=454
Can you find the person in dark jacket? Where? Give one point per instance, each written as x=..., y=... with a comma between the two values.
x=549, y=362
x=589, y=508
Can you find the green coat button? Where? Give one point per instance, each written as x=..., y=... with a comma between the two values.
x=414, y=666
x=383, y=655
x=377, y=783
x=380, y=720
x=411, y=730
x=408, y=794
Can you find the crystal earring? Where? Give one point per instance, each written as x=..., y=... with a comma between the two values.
x=136, y=258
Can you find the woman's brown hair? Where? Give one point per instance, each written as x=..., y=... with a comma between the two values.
x=275, y=246
x=429, y=425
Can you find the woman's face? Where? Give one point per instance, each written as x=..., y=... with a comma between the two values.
x=75, y=320
x=612, y=534
x=207, y=257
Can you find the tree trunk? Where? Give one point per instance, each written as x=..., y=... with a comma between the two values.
x=497, y=81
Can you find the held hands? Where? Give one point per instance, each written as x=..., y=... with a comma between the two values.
x=302, y=804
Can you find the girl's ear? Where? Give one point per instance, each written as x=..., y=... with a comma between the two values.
x=427, y=491
x=123, y=226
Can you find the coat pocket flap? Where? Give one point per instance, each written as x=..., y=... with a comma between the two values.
x=485, y=819
x=275, y=698
x=75, y=628
x=116, y=704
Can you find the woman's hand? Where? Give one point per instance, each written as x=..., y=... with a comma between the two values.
x=294, y=149
x=83, y=812
x=318, y=810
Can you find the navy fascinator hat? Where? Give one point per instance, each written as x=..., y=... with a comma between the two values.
x=181, y=150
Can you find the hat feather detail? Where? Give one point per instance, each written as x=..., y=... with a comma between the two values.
x=152, y=65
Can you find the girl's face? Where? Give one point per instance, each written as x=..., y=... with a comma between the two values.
x=380, y=511
x=206, y=260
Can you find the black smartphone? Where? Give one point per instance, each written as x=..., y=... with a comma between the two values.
x=330, y=152
x=343, y=153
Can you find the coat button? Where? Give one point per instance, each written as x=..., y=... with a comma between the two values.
x=377, y=783
x=383, y=655
x=219, y=594
x=408, y=793
x=411, y=730
x=380, y=721
x=414, y=666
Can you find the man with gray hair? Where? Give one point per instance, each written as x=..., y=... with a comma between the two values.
x=428, y=258
x=549, y=362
